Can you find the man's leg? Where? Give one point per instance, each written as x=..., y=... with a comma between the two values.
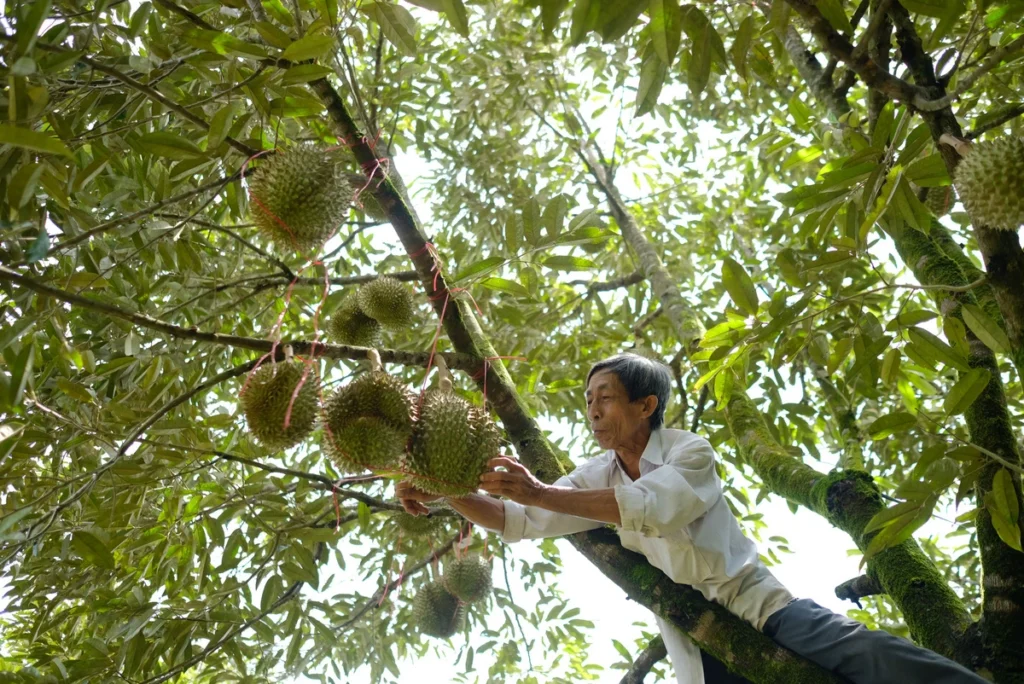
x=863, y=656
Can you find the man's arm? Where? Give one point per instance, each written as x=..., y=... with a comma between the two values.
x=518, y=484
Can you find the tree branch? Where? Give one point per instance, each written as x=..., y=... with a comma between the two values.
x=647, y=659
x=965, y=82
x=997, y=119
x=460, y=361
x=857, y=588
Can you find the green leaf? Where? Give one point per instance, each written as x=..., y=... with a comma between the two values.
x=568, y=263
x=550, y=12
x=891, y=366
x=699, y=72
x=512, y=234
x=929, y=8
x=21, y=373
x=890, y=424
x=666, y=28
x=986, y=329
x=1001, y=503
x=220, y=126
x=170, y=145
x=531, y=222
x=32, y=16
x=273, y=35
x=503, y=285
x=741, y=46
x=739, y=286
x=488, y=264
x=652, y=77
x=28, y=139
x=308, y=47
x=457, y=16
x=928, y=172
x=22, y=186
x=304, y=73
x=938, y=350
x=396, y=22
x=91, y=549
x=8, y=522
x=833, y=11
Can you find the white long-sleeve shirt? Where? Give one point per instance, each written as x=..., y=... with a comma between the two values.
x=676, y=516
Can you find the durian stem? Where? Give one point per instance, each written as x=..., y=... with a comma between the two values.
x=962, y=147
x=444, y=376
x=374, y=356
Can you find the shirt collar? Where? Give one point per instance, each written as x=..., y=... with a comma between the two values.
x=652, y=452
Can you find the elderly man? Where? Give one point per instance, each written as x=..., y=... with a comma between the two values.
x=659, y=488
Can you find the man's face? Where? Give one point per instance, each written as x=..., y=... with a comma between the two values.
x=614, y=420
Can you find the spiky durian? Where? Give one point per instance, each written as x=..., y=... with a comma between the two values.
x=349, y=325
x=298, y=198
x=451, y=444
x=387, y=301
x=420, y=525
x=989, y=180
x=436, y=612
x=364, y=187
x=940, y=200
x=367, y=423
x=265, y=399
x=468, y=578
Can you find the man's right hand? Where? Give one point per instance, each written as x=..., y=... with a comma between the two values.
x=413, y=499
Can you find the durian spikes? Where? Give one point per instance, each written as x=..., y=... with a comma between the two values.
x=368, y=422
x=989, y=180
x=279, y=413
x=468, y=578
x=387, y=301
x=298, y=198
x=436, y=612
x=349, y=325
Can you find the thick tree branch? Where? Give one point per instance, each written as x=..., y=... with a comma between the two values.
x=996, y=120
x=965, y=82
x=460, y=361
x=647, y=659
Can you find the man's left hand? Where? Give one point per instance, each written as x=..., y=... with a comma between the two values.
x=516, y=482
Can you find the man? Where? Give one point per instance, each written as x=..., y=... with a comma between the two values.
x=660, y=489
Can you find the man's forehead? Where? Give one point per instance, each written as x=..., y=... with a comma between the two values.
x=603, y=380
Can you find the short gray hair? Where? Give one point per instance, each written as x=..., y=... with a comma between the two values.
x=641, y=377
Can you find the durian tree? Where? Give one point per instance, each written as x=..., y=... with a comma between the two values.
x=757, y=194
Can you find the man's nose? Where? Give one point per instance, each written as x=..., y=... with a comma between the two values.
x=592, y=412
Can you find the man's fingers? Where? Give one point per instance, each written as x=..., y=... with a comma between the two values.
x=498, y=476
x=506, y=462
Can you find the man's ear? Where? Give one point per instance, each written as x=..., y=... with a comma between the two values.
x=650, y=405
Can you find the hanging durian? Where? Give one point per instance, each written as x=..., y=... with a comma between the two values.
x=364, y=187
x=267, y=395
x=990, y=179
x=350, y=325
x=468, y=578
x=368, y=422
x=421, y=525
x=436, y=612
x=940, y=200
x=451, y=442
x=387, y=301
x=298, y=197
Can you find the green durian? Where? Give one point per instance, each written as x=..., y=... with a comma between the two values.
x=298, y=197
x=387, y=301
x=435, y=612
x=940, y=200
x=420, y=525
x=368, y=422
x=349, y=325
x=265, y=399
x=468, y=578
x=369, y=204
x=990, y=181
x=451, y=444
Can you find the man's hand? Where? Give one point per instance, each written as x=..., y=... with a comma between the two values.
x=412, y=499
x=516, y=482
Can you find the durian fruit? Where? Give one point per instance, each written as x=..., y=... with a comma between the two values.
x=349, y=325
x=419, y=525
x=451, y=443
x=468, y=578
x=387, y=301
x=436, y=612
x=265, y=399
x=990, y=181
x=940, y=200
x=298, y=197
x=368, y=422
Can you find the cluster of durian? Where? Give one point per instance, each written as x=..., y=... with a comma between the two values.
x=267, y=396
x=420, y=526
x=383, y=302
x=990, y=181
x=440, y=606
x=452, y=441
x=298, y=197
x=368, y=422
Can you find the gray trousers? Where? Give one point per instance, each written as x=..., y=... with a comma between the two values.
x=862, y=655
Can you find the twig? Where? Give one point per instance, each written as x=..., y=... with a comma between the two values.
x=965, y=82
x=702, y=400
x=1007, y=114
x=508, y=588
x=462, y=361
x=191, y=16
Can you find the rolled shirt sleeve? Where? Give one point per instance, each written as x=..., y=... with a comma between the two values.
x=533, y=522
x=671, y=497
